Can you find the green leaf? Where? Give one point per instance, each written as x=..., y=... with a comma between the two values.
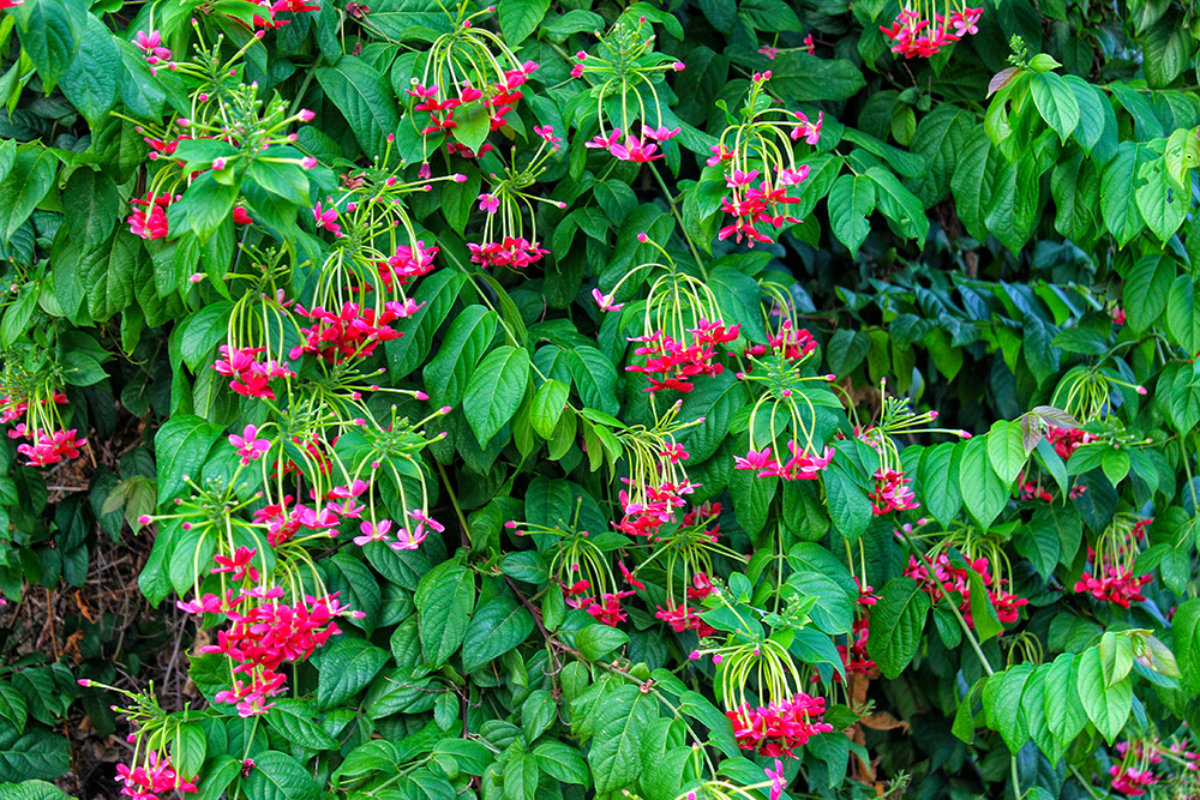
x=1178, y=398
x=1002, y=702
x=49, y=31
x=773, y=16
x=467, y=339
x=91, y=80
x=562, y=762
x=849, y=507
x=983, y=615
x=548, y=403
x=1056, y=103
x=615, y=755
x=896, y=624
x=1118, y=205
x=851, y=201
x=32, y=790
x=1183, y=314
x=1146, y=286
x=497, y=627
x=519, y=18
x=91, y=205
x=365, y=100
x=1006, y=449
x=846, y=350
x=818, y=573
x=800, y=77
x=181, y=446
x=296, y=721
x=444, y=600
x=39, y=754
x=596, y=641
x=937, y=482
x=496, y=390
x=347, y=666
x=985, y=492
x=1116, y=657
x=278, y=776
x=899, y=205
x=1065, y=716
x=31, y=177
x=1163, y=202
x=1185, y=628
x=1106, y=706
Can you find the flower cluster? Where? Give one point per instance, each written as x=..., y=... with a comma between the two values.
x=624, y=67
x=354, y=332
x=1130, y=781
x=32, y=398
x=671, y=364
x=777, y=729
x=802, y=465
x=948, y=579
x=498, y=99
x=267, y=635
x=915, y=34
x=1111, y=579
x=148, y=780
x=1067, y=440
x=250, y=377
x=149, y=220
x=891, y=492
x=765, y=203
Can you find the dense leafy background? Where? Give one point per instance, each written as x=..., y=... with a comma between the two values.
x=969, y=246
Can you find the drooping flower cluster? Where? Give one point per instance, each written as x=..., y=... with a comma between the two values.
x=624, y=69
x=891, y=492
x=149, y=219
x=250, y=377
x=671, y=364
x=760, y=166
x=948, y=579
x=1111, y=578
x=777, y=729
x=155, y=776
x=266, y=636
x=354, y=332
x=1130, y=781
x=497, y=99
x=1067, y=440
x=1148, y=762
x=921, y=32
x=32, y=397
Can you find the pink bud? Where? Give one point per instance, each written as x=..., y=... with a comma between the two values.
x=391, y=137
x=84, y=682
x=196, y=277
x=421, y=395
x=679, y=66
x=460, y=178
x=445, y=410
x=510, y=524
x=144, y=519
x=1142, y=390
x=308, y=162
x=643, y=238
x=187, y=526
x=694, y=655
x=351, y=206
x=718, y=658
x=307, y=115
x=218, y=163
x=183, y=122
x=202, y=97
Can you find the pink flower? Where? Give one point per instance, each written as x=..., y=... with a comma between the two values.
x=547, y=133
x=602, y=143
x=605, y=301
x=240, y=564
x=248, y=447
x=757, y=460
x=372, y=532
x=327, y=218
x=489, y=203
x=636, y=150
x=661, y=133
x=778, y=782
x=806, y=129
x=770, y=52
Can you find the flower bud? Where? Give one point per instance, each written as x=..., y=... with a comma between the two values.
x=196, y=277
x=218, y=163
x=307, y=115
x=308, y=162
